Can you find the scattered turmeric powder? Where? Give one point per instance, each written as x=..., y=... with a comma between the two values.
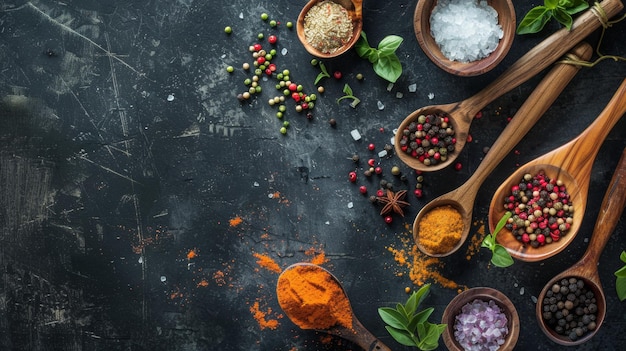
x=476, y=241
x=440, y=229
x=261, y=316
x=191, y=254
x=233, y=222
x=312, y=298
x=267, y=262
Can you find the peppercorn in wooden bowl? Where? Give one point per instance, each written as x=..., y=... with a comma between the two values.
x=478, y=304
x=329, y=28
x=462, y=52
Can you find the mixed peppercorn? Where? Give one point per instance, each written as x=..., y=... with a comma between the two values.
x=542, y=212
x=570, y=308
x=430, y=138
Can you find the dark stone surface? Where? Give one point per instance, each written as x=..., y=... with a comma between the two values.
x=106, y=186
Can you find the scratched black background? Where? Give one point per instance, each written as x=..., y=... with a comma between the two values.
x=106, y=186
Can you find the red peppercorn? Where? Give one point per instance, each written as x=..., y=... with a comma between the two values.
x=305, y=106
x=268, y=71
x=295, y=97
x=469, y=138
x=418, y=193
x=371, y=162
x=479, y=115
x=272, y=39
x=378, y=170
x=260, y=60
x=272, y=67
x=458, y=166
x=293, y=87
x=388, y=219
x=525, y=238
x=541, y=238
x=371, y=147
x=380, y=193
x=363, y=189
x=352, y=176
x=337, y=75
x=257, y=47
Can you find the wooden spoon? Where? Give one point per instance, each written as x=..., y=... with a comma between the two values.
x=587, y=267
x=355, y=10
x=570, y=163
x=462, y=198
x=357, y=334
x=534, y=61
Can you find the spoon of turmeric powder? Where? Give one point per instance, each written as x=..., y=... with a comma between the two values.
x=459, y=203
x=313, y=298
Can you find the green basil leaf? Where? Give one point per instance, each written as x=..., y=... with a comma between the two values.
x=347, y=90
x=621, y=272
x=576, y=8
x=501, y=223
x=422, y=293
x=421, y=330
x=501, y=257
x=565, y=3
x=489, y=242
x=411, y=304
x=431, y=339
x=389, y=44
x=534, y=20
x=422, y=317
x=401, y=336
x=388, y=68
x=563, y=17
x=622, y=256
x=620, y=287
x=551, y=4
x=393, y=318
x=373, y=56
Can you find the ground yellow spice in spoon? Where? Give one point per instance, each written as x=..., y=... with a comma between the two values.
x=440, y=229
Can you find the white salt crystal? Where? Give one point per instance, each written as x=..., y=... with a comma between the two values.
x=412, y=88
x=521, y=291
x=389, y=86
x=392, y=140
x=382, y=154
x=350, y=204
x=399, y=95
x=170, y=97
x=355, y=134
x=465, y=30
x=431, y=96
x=240, y=15
x=380, y=105
x=283, y=51
x=163, y=279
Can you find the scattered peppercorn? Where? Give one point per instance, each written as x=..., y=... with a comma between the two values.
x=228, y=30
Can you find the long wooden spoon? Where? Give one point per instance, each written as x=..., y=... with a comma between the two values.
x=587, y=267
x=462, y=198
x=534, y=61
x=356, y=333
x=355, y=11
x=570, y=163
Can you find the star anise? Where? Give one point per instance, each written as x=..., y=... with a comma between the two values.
x=393, y=202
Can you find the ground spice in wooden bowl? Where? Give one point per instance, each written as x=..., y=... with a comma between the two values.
x=313, y=298
x=328, y=27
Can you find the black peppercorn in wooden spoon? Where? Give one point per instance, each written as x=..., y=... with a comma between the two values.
x=462, y=198
x=534, y=61
x=587, y=267
x=570, y=164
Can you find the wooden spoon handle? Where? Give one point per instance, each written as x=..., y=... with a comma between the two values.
x=529, y=113
x=541, y=56
x=610, y=212
x=362, y=337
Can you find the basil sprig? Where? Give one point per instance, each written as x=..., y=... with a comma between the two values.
x=500, y=256
x=384, y=59
x=561, y=10
x=620, y=280
x=409, y=327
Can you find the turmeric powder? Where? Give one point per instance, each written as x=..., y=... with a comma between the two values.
x=267, y=262
x=313, y=298
x=440, y=229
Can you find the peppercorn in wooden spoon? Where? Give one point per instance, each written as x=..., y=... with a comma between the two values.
x=461, y=114
x=462, y=198
x=313, y=298
x=569, y=164
x=584, y=274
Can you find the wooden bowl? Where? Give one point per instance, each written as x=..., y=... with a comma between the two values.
x=355, y=10
x=485, y=294
x=506, y=19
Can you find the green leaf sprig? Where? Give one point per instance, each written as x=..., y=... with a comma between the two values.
x=409, y=327
x=500, y=256
x=620, y=280
x=384, y=60
x=561, y=10
x=324, y=72
x=349, y=95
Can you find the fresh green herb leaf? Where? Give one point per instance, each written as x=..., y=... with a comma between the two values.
x=349, y=95
x=500, y=256
x=409, y=327
x=323, y=74
x=384, y=60
x=561, y=10
x=620, y=280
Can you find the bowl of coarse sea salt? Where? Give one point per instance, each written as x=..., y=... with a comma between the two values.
x=465, y=37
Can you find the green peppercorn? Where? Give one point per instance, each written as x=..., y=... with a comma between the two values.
x=273, y=23
x=260, y=36
x=230, y=69
x=279, y=114
x=286, y=124
x=228, y=30
x=359, y=76
x=264, y=16
x=283, y=130
x=289, y=25
x=314, y=62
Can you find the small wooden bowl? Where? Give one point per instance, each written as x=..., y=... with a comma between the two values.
x=355, y=10
x=485, y=294
x=506, y=19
